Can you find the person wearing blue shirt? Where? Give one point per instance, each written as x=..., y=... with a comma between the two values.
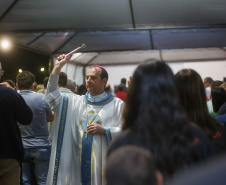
x=36, y=135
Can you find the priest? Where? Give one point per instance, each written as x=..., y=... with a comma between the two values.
x=84, y=128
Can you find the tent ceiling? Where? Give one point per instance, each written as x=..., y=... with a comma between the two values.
x=135, y=57
x=58, y=26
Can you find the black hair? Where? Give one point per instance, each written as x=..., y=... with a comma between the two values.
x=193, y=98
x=152, y=109
x=218, y=98
x=123, y=81
x=62, y=79
x=103, y=74
x=82, y=90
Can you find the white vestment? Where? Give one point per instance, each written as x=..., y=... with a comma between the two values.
x=69, y=137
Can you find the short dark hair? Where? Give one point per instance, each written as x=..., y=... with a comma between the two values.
x=123, y=81
x=131, y=165
x=208, y=79
x=103, y=74
x=82, y=89
x=25, y=80
x=62, y=79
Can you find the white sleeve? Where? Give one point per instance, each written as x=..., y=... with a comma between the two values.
x=53, y=95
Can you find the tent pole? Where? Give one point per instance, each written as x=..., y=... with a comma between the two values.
x=84, y=74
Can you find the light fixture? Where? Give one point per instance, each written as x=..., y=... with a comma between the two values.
x=20, y=70
x=5, y=44
x=42, y=69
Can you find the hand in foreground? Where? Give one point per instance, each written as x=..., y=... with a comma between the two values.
x=130, y=80
x=5, y=84
x=95, y=129
x=60, y=62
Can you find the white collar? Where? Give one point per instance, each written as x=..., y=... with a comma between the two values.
x=98, y=97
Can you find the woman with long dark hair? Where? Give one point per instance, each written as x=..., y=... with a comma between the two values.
x=154, y=120
x=192, y=95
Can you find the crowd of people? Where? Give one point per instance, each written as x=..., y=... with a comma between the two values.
x=155, y=131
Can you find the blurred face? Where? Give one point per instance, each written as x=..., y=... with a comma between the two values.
x=94, y=84
x=206, y=84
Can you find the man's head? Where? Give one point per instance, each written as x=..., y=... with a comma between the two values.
x=123, y=81
x=96, y=79
x=131, y=165
x=207, y=81
x=25, y=80
x=62, y=82
x=71, y=84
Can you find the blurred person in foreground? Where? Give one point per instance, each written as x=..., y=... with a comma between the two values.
x=211, y=172
x=13, y=109
x=132, y=165
x=153, y=119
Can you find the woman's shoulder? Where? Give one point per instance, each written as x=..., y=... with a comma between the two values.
x=127, y=137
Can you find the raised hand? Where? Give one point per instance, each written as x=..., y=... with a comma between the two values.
x=130, y=80
x=60, y=62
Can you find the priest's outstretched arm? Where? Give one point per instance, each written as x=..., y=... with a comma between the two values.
x=53, y=94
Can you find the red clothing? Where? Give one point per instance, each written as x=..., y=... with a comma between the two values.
x=121, y=95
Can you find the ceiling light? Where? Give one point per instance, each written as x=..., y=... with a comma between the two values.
x=5, y=44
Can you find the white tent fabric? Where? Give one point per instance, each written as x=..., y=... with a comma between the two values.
x=206, y=61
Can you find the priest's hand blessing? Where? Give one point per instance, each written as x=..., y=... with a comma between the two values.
x=95, y=129
x=60, y=62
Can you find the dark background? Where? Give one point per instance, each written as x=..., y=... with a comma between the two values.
x=18, y=58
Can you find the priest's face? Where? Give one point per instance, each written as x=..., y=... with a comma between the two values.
x=94, y=84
